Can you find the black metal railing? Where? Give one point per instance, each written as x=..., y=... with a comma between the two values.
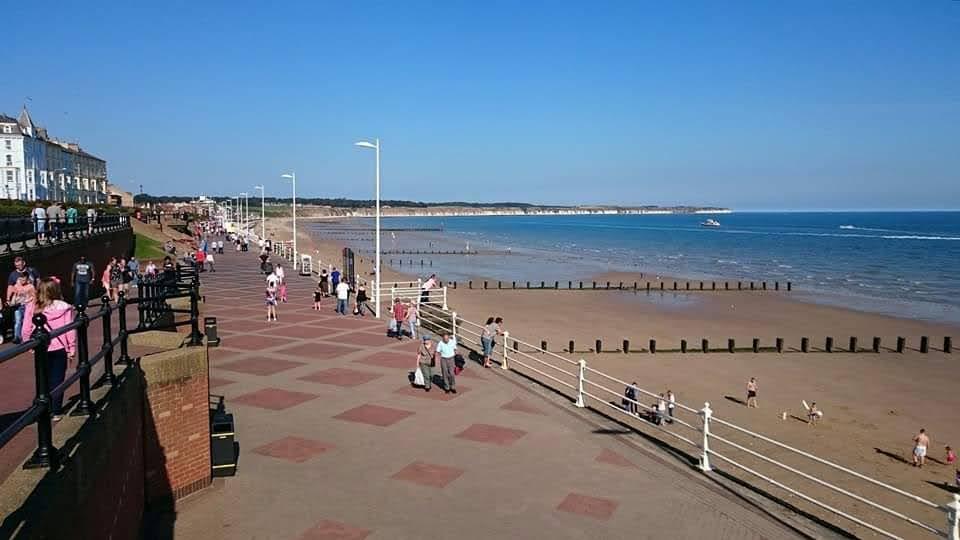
x=41, y=411
x=24, y=230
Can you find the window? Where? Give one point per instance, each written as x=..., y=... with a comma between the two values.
x=9, y=176
x=9, y=144
x=9, y=160
x=8, y=129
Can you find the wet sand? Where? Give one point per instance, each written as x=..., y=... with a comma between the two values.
x=874, y=403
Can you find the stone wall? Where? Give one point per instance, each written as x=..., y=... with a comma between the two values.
x=57, y=259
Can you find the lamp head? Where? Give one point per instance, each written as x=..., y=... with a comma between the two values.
x=286, y=176
x=365, y=144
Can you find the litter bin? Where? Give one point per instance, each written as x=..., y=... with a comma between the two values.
x=210, y=329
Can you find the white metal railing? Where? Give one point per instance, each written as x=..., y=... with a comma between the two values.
x=573, y=375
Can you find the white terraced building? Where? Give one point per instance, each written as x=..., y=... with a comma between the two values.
x=35, y=166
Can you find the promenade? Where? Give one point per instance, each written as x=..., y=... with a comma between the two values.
x=335, y=443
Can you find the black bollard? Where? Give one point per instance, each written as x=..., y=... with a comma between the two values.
x=828, y=346
x=739, y=285
x=599, y=346
x=653, y=346
x=705, y=345
x=876, y=344
x=516, y=346
x=780, y=345
x=626, y=346
x=853, y=344
x=683, y=346
x=528, y=285
x=731, y=345
x=634, y=286
x=901, y=344
x=756, y=345
x=804, y=344
x=543, y=345
x=454, y=284
x=570, y=348
x=620, y=287
x=924, y=344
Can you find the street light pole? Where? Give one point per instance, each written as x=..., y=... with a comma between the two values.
x=293, y=177
x=376, y=264
x=263, y=221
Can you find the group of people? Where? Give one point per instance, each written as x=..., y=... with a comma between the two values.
x=405, y=314
x=443, y=352
x=661, y=412
x=49, y=222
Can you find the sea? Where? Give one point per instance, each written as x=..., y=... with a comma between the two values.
x=903, y=264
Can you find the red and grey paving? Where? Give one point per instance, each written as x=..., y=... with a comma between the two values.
x=336, y=444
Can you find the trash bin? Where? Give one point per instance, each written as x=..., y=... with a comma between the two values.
x=210, y=329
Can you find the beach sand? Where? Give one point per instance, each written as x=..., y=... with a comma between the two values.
x=874, y=403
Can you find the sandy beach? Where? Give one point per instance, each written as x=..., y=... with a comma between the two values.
x=874, y=403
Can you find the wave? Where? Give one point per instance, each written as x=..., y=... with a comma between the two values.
x=920, y=237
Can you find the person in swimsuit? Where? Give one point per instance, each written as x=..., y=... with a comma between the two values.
x=920, y=444
x=752, y=393
x=813, y=414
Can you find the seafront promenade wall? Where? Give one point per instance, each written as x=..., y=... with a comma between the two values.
x=56, y=259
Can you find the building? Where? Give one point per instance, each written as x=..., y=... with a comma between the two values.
x=35, y=166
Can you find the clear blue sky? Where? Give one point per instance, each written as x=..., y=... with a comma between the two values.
x=754, y=105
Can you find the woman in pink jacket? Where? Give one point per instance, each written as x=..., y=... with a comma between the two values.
x=62, y=349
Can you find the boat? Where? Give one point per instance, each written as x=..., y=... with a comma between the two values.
x=710, y=223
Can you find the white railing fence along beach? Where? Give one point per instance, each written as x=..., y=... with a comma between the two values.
x=850, y=495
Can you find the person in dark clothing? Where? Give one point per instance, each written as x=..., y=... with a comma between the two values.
x=82, y=276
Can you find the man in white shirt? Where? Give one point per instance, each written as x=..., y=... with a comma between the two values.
x=40, y=222
x=447, y=349
x=91, y=218
x=430, y=283
x=343, y=295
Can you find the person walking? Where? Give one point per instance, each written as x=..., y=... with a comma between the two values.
x=752, y=387
x=334, y=279
x=920, y=444
x=343, y=296
x=283, y=282
x=399, y=316
x=413, y=315
x=317, y=296
x=19, y=297
x=39, y=216
x=91, y=219
x=447, y=349
x=81, y=277
x=270, y=296
x=426, y=360
x=490, y=330
x=430, y=283
x=661, y=410
x=671, y=405
x=324, y=283
x=54, y=216
x=62, y=349
x=362, y=302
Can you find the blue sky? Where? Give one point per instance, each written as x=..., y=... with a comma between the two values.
x=754, y=105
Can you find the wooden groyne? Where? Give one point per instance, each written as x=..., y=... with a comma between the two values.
x=636, y=286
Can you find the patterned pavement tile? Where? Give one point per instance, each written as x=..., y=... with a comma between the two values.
x=486, y=433
x=317, y=350
x=334, y=530
x=612, y=458
x=585, y=505
x=390, y=360
x=519, y=405
x=374, y=415
x=252, y=342
x=341, y=377
x=428, y=474
x=273, y=398
x=259, y=366
x=295, y=449
x=437, y=394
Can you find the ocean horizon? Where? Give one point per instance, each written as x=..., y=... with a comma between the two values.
x=899, y=263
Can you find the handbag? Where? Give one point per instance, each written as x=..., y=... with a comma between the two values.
x=418, y=377
x=392, y=325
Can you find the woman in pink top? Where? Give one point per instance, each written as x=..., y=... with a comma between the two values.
x=62, y=349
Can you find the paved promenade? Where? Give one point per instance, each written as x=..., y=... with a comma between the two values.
x=335, y=444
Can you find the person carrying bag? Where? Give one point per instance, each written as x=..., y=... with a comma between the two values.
x=426, y=359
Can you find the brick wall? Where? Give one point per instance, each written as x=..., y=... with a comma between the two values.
x=177, y=455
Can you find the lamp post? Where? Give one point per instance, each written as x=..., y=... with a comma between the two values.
x=245, y=213
x=293, y=178
x=263, y=221
x=376, y=264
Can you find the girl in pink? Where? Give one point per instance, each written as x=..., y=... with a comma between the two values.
x=21, y=295
x=62, y=349
x=282, y=296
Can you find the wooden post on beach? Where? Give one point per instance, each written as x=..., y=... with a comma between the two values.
x=683, y=346
x=901, y=344
x=876, y=344
x=581, y=285
x=556, y=285
x=828, y=346
x=789, y=286
x=620, y=287
x=594, y=285
x=470, y=284
x=543, y=345
x=528, y=284
x=634, y=286
x=653, y=346
x=701, y=285
x=804, y=344
x=731, y=345
x=776, y=285
x=648, y=287
x=705, y=345
x=751, y=285
x=726, y=285
x=570, y=348
x=713, y=285
x=924, y=344
x=484, y=285
x=948, y=344
x=780, y=345
x=499, y=284
x=764, y=285
x=674, y=285
x=569, y=285
x=688, y=285
x=756, y=345
x=662, y=283
x=514, y=284
x=599, y=348
x=608, y=285
x=853, y=344
x=626, y=346
x=542, y=285
x=739, y=285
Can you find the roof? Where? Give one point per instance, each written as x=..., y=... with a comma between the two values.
x=4, y=119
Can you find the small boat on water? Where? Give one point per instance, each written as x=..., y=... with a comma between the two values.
x=710, y=223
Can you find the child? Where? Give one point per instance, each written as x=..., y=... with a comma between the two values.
x=270, y=299
x=951, y=456
x=21, y=294
x=317, y=295
x=62, y=350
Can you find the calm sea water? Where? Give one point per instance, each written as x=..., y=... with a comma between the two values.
x=898, y=263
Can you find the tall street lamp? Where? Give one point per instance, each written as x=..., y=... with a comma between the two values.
x=293, y=178
x=263, y=221
x=376, y=264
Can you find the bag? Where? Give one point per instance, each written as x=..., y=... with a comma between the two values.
x=393, y=326
x=457, y=370
x=418, y=377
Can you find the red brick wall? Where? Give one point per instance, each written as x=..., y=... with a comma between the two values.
x=177, y=449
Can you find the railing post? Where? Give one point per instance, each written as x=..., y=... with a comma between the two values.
x=583, y=372
x=107, y=345
x=453, y=326
x=506, y=346
x=445, y=298
x=122, y=319
x=196, y=338
x=705, y=414
x=85, y=405
x=953, y=518
x=46, y=454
